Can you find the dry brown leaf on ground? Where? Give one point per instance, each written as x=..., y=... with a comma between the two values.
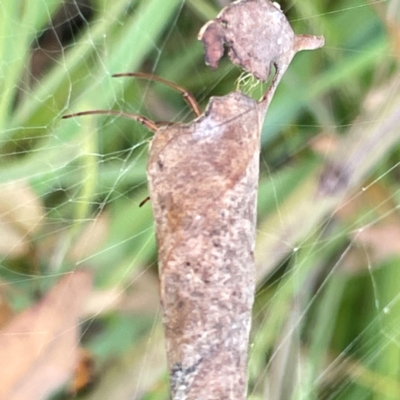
x=40, y=345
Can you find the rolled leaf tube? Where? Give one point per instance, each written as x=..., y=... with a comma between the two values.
x=203, y=180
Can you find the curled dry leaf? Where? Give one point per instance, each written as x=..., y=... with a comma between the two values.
x=258, y=35
x=39, y=346
x=203, y=180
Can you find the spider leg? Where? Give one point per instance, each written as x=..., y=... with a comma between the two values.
x=187, y=96
x=136, y=117
x=143, y=202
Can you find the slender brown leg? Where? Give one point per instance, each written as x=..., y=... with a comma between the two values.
x=187, y=96
x=139, y=118
x=143, y=202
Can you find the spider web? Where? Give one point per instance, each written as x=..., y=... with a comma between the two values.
x=326, y=317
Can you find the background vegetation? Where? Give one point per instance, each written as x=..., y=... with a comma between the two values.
x=327, y=315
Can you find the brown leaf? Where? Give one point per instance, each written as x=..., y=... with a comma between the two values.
x=39, y=346
x=203, y=180
x=257, y=34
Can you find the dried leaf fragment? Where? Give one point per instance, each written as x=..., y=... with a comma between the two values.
x=258, y=35
x=39, y=346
